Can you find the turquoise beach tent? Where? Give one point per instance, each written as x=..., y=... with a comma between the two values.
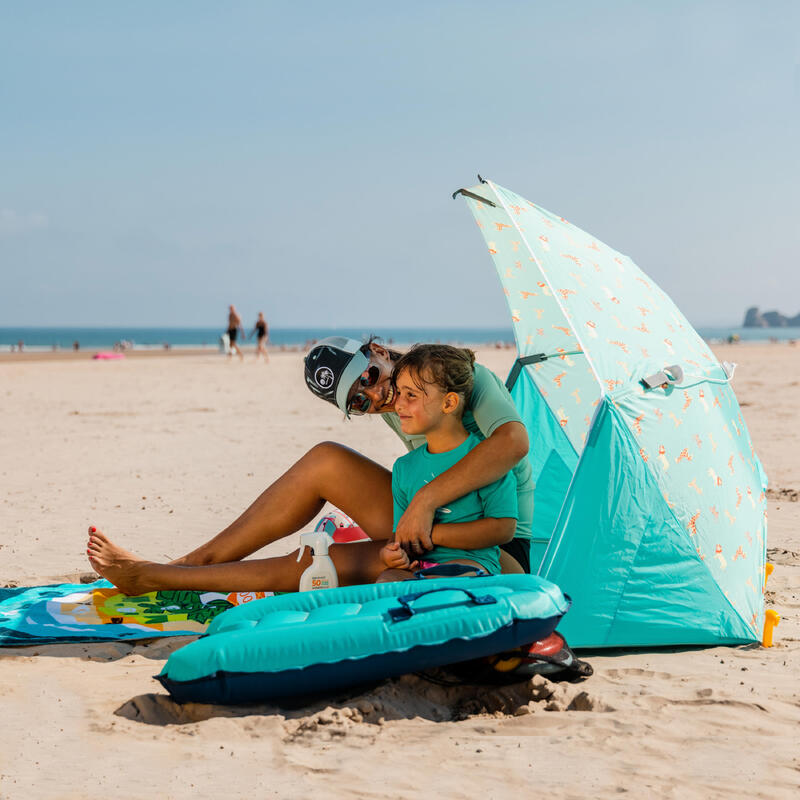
x=650, y=500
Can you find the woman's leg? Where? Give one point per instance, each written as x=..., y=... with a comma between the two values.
x=393, y=575
x=328, y=472
x=359, y=562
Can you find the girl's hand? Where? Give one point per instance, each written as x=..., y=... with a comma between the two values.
x=394, y=557
x=413, y=532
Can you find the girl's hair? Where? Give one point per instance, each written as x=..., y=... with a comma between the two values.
x=449, y=368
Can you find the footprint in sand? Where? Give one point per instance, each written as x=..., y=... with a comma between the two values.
x=636, y=672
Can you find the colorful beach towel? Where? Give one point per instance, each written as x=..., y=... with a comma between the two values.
x=98, y=612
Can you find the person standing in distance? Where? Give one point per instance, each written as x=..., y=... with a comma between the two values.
x=262, y=330
x=234, y=326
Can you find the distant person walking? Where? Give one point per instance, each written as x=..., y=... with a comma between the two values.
x=234, y=326
x=262, y=330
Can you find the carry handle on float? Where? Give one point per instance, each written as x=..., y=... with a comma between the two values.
x=406, y=612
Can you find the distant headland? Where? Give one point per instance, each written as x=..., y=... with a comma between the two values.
x=753, y=318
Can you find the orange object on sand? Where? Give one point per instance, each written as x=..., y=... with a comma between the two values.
x=771, y=619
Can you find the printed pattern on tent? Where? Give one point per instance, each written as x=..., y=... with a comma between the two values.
x=594, y=326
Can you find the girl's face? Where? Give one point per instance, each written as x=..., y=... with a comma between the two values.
x=419, y=405
x=373, y=392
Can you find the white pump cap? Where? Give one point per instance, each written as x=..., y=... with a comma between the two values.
x=318, y=541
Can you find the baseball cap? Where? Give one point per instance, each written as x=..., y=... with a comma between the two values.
x=332, y=366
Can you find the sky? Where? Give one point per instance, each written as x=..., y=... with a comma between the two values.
x=160, y=160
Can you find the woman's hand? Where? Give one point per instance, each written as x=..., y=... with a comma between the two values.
x=414, y=528
x=394, y=557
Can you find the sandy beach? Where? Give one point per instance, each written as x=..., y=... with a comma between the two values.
x=163, y=451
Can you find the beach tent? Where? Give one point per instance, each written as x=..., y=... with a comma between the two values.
x=650, y=500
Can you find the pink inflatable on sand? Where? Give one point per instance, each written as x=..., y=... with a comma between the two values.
x=108, y=355
x=341, y=528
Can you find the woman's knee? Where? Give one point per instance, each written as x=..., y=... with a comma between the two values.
x=326, y=453
x=327, y=449
x=332, y=459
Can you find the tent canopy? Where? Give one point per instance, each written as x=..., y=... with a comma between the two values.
x=650, y=501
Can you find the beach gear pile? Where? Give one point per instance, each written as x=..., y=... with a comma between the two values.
x=650, y=500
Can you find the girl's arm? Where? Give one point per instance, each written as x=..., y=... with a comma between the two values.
x=484, y=464
x=486, y=532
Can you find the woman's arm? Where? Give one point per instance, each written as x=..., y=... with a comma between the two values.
x=486, y=532
x=484, y=464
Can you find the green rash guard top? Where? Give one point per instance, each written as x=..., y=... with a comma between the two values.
x=489, y=407
x=498, y=500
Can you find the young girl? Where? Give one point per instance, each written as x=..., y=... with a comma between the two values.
x=433, y=384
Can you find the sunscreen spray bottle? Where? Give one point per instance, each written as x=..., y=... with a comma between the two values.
x=322, y=572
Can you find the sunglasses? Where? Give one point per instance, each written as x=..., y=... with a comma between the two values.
x=359, y=403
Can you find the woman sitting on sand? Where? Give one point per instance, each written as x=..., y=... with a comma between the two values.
x=357, y=379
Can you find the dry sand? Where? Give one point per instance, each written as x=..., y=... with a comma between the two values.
x=163, y=451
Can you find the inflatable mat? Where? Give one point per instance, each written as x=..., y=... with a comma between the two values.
x=304, y=643
x=97, y=612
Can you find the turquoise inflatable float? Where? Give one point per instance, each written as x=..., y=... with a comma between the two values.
x=326, y=640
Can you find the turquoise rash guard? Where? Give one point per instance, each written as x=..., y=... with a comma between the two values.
x=489, y=407
x=498, y=500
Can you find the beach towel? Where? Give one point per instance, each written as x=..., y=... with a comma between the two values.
x=98, y=612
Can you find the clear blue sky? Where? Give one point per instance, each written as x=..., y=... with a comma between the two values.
x=159, y=160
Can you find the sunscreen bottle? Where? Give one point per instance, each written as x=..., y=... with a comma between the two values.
x=322, y=572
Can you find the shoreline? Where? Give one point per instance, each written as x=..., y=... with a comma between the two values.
x=27, y=356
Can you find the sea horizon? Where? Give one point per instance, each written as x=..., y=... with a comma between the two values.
x=41, y=338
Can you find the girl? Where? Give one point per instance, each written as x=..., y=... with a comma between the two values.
x=357, y=379
x=432, y=384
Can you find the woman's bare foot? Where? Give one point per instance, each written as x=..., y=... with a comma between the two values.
x=123, y=569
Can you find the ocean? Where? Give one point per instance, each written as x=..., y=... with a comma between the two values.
x=62, y=338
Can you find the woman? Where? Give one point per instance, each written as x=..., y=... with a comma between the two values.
x=262, y=330
x=234, y=326
x=356, y=378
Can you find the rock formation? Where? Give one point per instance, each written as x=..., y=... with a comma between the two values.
x=769, y=319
